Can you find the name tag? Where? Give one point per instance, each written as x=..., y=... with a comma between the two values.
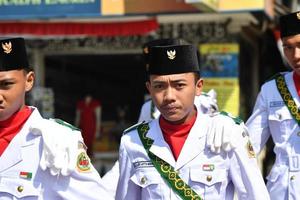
x=276, y=104
x=142, y=164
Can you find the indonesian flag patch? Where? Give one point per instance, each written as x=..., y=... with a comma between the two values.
x=208, y=167
x=25, y=175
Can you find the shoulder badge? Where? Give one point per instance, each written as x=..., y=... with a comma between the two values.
x=83, y=162
x=133, y=127
x=61, y=122
x=237, y=120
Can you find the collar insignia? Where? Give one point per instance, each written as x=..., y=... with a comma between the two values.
x=7, y=47
x=171, y=54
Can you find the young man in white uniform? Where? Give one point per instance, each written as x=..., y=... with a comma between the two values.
x=168, y=158
x=28, y=169
x=207, y=103
x=276, y=113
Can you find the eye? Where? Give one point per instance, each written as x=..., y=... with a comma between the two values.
x=6, y=84
x=287, y=47
x=158, y=86
x=180, y=85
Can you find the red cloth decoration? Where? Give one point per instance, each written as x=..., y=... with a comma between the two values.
x=176, y=134
x=10, y=127
x=140, y=27
x=296, y=78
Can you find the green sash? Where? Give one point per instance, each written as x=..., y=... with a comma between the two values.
x=165, y=169
x=287, y=98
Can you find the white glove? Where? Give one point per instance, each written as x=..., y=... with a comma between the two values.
x=222, y=133
x=60, y=147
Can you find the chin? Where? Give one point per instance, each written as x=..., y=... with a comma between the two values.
x=173, y=119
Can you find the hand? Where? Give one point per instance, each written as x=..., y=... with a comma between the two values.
x=222, y=133
x=60, y=147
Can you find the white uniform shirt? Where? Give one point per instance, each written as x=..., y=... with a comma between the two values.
x=139, y=179
x=22, y=157
x=271, y=117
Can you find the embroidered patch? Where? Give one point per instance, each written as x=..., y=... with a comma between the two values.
x=276, y=104
x=250, y=150
x=208, y=167
x=142, y=164
x=83, y=162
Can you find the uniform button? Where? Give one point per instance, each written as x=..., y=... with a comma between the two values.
x=20, y=188
x=209, y=178
x=293, y=177
x=143, y=180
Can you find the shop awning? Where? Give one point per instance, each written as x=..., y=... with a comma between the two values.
x=140, y=27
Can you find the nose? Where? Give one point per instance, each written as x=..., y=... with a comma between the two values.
x=1, y=99
x=297, y=53
x=169, y=95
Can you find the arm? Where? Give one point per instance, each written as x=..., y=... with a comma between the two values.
x=83, y=183
x=77, y=117
x=110, y=179
x=244, y=171
x=126, y=189
x=258, y=125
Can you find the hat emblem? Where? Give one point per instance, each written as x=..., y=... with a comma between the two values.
x=171, y=54
x=298, y=15
x=7, y=47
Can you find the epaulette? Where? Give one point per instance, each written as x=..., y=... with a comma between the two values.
x=132, y=127
x=237, y=120
x=275, y=76
x=66, y=124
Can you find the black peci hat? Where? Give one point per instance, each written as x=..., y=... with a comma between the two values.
x=13, y=54
x=290, y=24
x=159, y=42
x=173, y=59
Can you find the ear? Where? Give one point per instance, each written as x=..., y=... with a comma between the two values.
x=148, y=86
x=199, y=86
x=29, y=81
